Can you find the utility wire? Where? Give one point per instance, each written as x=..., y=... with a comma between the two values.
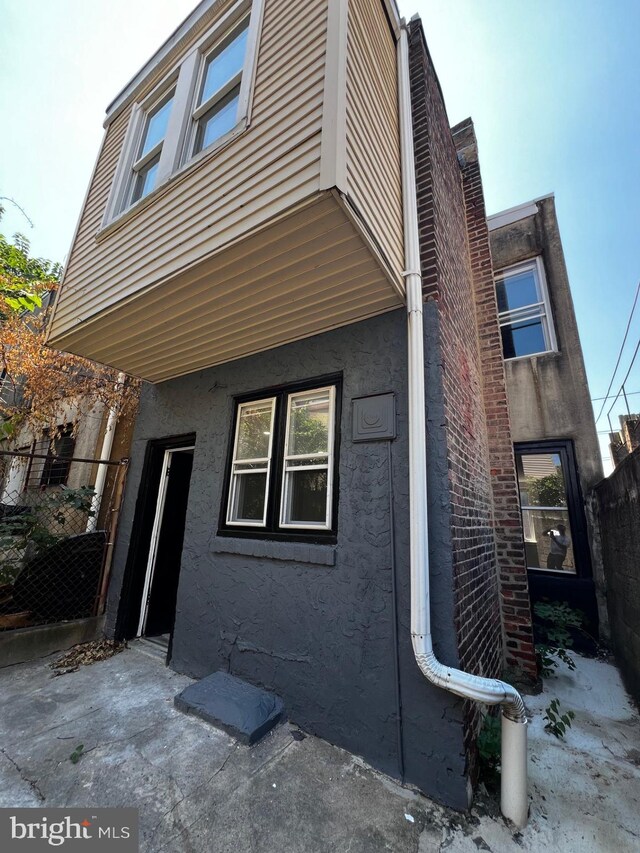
x=629, y=394
x=624, y=340
x=635, y=353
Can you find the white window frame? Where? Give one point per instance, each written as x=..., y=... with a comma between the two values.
x=314, y=466
x=176, y=156
x=243, y=78
x=540, y=309
x=266, y=460
x=159, y=148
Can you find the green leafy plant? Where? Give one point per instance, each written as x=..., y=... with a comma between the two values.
x=557, y=618
x=547, y=491
x=40, y=526
x=77, y=754
x=557, y=721
x=489, y=743
x=67, y=498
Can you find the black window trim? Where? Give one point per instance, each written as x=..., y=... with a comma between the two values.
x=272, y=531
x=575, y=504
x=57, y=466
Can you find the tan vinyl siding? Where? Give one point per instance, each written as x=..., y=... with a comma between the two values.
x=374, y=181
x=305, y=274
x=263, y=172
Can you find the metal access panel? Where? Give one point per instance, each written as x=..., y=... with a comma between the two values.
x=374, y=418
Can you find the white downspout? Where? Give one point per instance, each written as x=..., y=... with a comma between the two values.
x=105, y=453
x=489, y=691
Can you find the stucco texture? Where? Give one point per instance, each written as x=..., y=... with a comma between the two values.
x=314, y=623
x=549, y=394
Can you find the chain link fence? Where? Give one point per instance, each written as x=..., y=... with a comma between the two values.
x=58, y=517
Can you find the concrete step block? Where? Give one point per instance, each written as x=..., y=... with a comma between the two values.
x=246, y=712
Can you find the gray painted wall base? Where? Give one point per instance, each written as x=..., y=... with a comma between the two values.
x=24, y=644
x=314, y=623
x=244, y=711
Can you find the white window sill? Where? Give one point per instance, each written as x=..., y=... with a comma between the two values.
x=532, y=355
x=171, y=180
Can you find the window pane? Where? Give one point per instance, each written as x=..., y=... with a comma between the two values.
x=518, y=290
x=57, y=465
x=145, y=179
x=254, y=430
x=222, y=66
x=541, y=480
x=250, y=466
x=523, y=338
x=548, y=540
x=249, y=497
x=309, y=423
x=156, y=127
x=307, y=462
x=218, y=121
x=307, y=497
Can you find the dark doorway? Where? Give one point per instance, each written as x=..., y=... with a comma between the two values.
x=149, y=595
x=165, y=569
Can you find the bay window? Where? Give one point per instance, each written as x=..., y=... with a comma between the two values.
x=145, y=167
x=217, y=108
x=199, y=106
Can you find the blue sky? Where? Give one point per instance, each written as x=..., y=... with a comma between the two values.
x=553, y=88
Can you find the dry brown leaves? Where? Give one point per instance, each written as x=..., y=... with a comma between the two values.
x=85, y=654
x=47, y=377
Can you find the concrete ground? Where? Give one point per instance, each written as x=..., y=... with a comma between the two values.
x=198, y=791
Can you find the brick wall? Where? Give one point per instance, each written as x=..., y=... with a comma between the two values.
x=516, y=609
x=451, y=333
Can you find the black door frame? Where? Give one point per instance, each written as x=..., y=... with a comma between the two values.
x=137, y=557
x=578, y=589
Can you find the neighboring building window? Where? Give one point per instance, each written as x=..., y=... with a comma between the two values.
x=552, y=513
x=147, y=162
x=59, y=450
x=523, y=310
x=216, y=110
x=200, y=104
x=282, y=465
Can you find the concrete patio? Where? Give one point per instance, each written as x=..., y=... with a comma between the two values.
x=197, y=790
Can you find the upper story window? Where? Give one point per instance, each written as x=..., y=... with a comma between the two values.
x=523, y=310
x=281, y=472
x=145, y=167
x=199, y=106
x=216, y=112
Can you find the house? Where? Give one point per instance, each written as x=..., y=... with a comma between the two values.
x=552, y=424
x=286, y=240
x=61, y=472
x=626, y=440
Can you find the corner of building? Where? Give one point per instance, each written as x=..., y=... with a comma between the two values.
x=467, y=416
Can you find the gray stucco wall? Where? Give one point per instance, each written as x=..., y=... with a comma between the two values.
x=315, y=622
x=549, y=394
